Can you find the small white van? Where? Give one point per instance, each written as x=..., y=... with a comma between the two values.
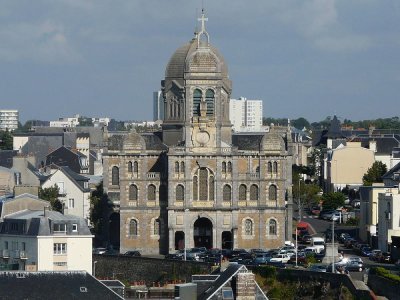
x=318, y=243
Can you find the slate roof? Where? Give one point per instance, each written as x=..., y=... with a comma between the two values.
x=384, y=144
x=247, y=141
x=389, y=174
x=39, y=225
x=153, y=142
x=53, y=285
x=222, y=280
x=76, y=178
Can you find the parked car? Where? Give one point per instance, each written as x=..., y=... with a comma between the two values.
x=354, y=265
x=315, y=210
x=306, y=239
x=326, y=214
x=318, y=268
x=384, y=257
x=349, y=243
x=343, y=237
x=366, y=251
x=280, y=258
x=261, y=259
x=375, y=254
x=132, y=253
x=175, y=256
x=99, y=250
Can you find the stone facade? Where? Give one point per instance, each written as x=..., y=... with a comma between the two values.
x=195, y=183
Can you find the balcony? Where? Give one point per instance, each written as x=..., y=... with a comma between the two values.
x=5, y=253
x=18, y=254
x=153, y=175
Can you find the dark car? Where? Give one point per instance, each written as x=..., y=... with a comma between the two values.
x=384, y=258
x=132, y=253
x=366, y=251
x=354, y=265
x=306, y=239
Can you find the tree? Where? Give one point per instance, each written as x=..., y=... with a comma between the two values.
x=333, y=200
x=100, y=206
x=51, y=194
x=300, y=123
x=6, y=140
x=374, y=173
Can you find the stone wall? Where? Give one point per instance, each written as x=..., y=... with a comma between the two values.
x=149, y=270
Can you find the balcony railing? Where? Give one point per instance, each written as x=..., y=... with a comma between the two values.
x=153, y=175
x=5, y=253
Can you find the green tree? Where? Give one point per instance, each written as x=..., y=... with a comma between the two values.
x=6, y=140
x=333, y=200
x=51, y=194
x=300, y=123
x=374, y=173
x=100, y=206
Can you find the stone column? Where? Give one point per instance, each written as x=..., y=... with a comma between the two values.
x=171, y=247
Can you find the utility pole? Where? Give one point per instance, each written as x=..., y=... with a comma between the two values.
x=333, y=246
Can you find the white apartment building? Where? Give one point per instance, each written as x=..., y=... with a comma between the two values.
x=41, y=240
x=158, y=106
x=9, y=119
x=246, y=115
x=65, y=122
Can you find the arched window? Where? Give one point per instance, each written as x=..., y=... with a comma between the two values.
x=242, y=192
x=269, y=167
x=275, y=167
x=248, y=227
x=258, y=169
x=133, y=192
x=227, y=193
x=135, y=167
x=182, y=167
x=197, y=95
x=133, y=228
x=176, y=167
x=195, y=188
x=156, y=230
x=151, y=192
x=229, y=167
x=115, y=176
x=254, y=192
x=272, y=227
x=130, y=167
x=203, y=185
x=180, y=192
x=210, y=103
x=223, y=167
x=273, y=193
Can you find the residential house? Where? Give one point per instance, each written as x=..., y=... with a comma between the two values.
x=42, y=240
x=21, y=202
x=346, y=165
x=74, y=192
x=66, y=156
x=389, y=221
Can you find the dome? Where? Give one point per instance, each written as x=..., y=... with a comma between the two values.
x=272, y=142
x=190, y=58
x=133, y=142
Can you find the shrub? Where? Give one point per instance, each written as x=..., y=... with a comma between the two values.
x=352, y=221
x=385, y=274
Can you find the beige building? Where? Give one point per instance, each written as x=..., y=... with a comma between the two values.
x=195, y=183
x=346, y=165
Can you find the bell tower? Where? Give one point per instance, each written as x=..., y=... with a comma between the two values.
x=196, y=92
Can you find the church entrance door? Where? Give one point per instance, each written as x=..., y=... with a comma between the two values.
x=203, y=233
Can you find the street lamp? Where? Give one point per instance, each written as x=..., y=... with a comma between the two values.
x=94, y=268
x=184, y=228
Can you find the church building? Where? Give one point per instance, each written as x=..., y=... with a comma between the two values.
x=196, y=183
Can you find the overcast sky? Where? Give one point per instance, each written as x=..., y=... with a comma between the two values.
x=303, y=58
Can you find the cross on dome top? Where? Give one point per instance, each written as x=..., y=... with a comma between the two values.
x=203, y=31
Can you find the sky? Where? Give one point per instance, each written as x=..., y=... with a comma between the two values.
x=104, y=58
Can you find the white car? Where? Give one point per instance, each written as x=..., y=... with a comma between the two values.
x=283, y=258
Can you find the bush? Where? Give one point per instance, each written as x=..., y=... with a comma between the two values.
x=352, y=221
x=385, y=274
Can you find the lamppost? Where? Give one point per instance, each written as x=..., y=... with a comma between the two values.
x=94, y=268
x=333, y=245
x=184, y=224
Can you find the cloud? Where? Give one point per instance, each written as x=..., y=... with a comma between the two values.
x=43, y=42
x=349, y=43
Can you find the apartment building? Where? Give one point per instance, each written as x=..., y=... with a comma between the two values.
x=246, y=115
x=42, y=240
x=9, y=119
